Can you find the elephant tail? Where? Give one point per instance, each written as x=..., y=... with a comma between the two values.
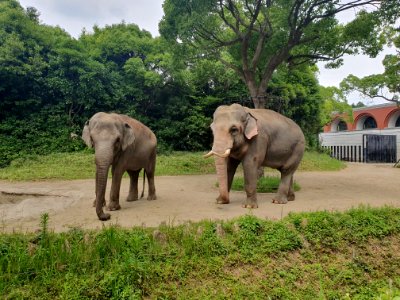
x=144, y=181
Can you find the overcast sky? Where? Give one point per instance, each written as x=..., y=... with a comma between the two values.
x=74, y=15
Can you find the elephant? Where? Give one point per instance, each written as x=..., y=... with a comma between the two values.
x=255, y=138
x=125, y=144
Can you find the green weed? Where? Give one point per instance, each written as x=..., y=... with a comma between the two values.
x=266, y=184
x=322, y=255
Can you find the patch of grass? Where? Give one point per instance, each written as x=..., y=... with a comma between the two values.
x=266, y=184
x=316, y=161
x=350, y=255
x=76, y=165
x=80, y=165
x=184, y=163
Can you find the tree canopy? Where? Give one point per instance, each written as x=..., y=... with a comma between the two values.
x=254, y=37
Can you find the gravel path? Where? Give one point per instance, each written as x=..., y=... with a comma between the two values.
x=191, y=198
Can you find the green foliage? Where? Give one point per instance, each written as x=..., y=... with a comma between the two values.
x=255, y=39
x=294, y=92
x=334, y=102
x=328, y=230
x=307, y=255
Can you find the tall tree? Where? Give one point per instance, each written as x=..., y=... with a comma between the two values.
x=384, y=86
x=254, y=37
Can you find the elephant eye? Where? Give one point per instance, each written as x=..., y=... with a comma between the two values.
x=234, y=130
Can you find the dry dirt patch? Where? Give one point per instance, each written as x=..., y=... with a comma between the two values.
x=191, y=198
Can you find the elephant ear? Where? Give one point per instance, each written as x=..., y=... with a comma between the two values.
x=129, y=137
x=251, y=129
x=86, y=135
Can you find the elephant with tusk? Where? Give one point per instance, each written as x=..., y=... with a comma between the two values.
x=125, y=144
x=255, y=138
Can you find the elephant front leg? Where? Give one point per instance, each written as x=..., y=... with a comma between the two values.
x=232, y=165
x=104, y=202
x=133, y=187
x=115, y=188
x=250, y=168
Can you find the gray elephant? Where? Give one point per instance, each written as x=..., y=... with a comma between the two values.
x=255, y=137
x=126, y=145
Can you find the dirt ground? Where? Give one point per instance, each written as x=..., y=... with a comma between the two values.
x=190, y=198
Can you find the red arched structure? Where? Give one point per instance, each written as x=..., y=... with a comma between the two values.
x=360, y=121
x=383, y=114
x=392, y=117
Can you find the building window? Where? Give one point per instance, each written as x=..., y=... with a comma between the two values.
x=341, y=126
x=369, y=123
x=397, y=122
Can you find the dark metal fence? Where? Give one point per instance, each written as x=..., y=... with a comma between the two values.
x=380, y=148
x=374, y=149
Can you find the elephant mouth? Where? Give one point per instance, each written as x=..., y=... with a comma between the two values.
x=223, y=155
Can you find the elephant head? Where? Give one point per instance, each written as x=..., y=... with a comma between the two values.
x=233, y=127
x=109, y=136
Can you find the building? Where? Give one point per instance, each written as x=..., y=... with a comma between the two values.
x=372, y=136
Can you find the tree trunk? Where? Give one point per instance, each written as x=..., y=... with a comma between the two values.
x=257, y=94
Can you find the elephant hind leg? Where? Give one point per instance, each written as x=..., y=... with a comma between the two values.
x=150, y=170
x=291, y=195
x=284, y=191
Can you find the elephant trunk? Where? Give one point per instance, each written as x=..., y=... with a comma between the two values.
x=221, y=150
x=103, y=162
x=222, y=175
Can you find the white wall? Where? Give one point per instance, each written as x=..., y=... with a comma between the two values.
x=354, y=138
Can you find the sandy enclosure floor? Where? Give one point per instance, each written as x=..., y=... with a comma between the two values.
x=190, y=198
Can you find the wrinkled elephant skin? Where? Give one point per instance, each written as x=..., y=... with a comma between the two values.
x=124, y=144
x=255, y=138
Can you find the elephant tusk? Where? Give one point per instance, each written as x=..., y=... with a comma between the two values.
x=208, y=154
x=224, y=155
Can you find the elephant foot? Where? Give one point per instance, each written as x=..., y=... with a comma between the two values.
x=151, y=197
x=104, y=217
x=131, y=199
x=250, y=204
x=221, y=200
x=114, y=206
x=291, y=197
x=279, y=201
